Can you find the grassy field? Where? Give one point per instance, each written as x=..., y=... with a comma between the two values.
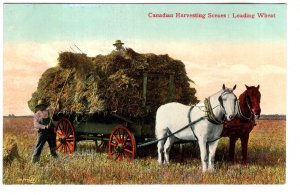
x=267, y=161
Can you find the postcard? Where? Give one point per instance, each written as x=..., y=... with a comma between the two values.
x=144, y=93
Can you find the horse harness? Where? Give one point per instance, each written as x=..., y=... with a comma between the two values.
x=209, y=115
x=249, y=119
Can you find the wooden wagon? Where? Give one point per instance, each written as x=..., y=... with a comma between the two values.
x=121, y=135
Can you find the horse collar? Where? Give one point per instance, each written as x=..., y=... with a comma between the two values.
x=240, y=113
x=210, y=114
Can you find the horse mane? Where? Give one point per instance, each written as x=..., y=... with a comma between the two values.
x=242, y=97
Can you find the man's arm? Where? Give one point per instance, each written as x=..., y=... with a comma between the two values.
x=36, y=123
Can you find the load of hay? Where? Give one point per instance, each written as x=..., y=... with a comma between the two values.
x=113, y=83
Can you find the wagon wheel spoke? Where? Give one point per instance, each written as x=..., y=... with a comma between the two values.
x=59, y=133
x=117, y=156
x=128, y=151
x=117, y=139
x=70, y=139
x=65, y=148
x=118, y=133
x=126, y=145
x=63, y=125
x=60, y=144
x=125, y=139
x=68, y=132
x=59, y=127
x=127, y=157
x=103, y=145
x=121, y=156
x=61, y=148
x=70, y=147
x=113, y=152
x=68, y=151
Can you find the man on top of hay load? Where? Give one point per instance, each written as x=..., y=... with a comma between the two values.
x=119, y=46
x=41, y=121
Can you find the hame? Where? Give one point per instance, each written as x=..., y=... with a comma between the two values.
x=265, y=15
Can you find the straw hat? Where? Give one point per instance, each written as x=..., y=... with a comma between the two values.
x=41, y=102
x=118, y=42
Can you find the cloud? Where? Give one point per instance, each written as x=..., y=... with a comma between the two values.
x=227, y=72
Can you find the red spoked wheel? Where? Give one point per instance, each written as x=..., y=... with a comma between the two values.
x=65, y=136
x=121, y=144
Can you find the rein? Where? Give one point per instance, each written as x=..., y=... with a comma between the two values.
x=183, y=128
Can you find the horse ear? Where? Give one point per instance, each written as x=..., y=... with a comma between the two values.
x=246, y=86
x=223, y=87
x=257, y=87
x=233, y=87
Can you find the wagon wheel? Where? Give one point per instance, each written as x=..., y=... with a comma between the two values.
x=101, y=146
x=121, y=144
x=65, y=136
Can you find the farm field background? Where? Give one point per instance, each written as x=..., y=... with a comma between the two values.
x=266, y=161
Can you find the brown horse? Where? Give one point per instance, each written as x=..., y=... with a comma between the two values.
x=241, y=126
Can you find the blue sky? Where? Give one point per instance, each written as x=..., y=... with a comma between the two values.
x=55, y=22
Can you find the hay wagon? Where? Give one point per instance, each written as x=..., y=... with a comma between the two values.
x=120, y=135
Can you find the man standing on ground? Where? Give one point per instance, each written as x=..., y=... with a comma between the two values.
x=41, y=121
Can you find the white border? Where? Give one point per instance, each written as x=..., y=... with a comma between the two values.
x=293, y=153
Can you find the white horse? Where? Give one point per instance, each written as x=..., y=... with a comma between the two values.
x=174, y=116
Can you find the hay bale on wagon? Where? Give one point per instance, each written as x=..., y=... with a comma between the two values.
x=113, y=83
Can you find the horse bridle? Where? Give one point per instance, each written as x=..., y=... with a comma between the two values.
x=225, y=92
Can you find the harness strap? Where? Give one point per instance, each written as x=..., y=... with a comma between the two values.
x=210, y=114
x=192, y=126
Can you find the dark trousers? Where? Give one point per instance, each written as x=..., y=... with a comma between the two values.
x=43, y=137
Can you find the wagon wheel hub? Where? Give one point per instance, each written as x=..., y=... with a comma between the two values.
x=63, y=140
x=119, y=148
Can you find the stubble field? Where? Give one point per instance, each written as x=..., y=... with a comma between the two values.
x=266, y=161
